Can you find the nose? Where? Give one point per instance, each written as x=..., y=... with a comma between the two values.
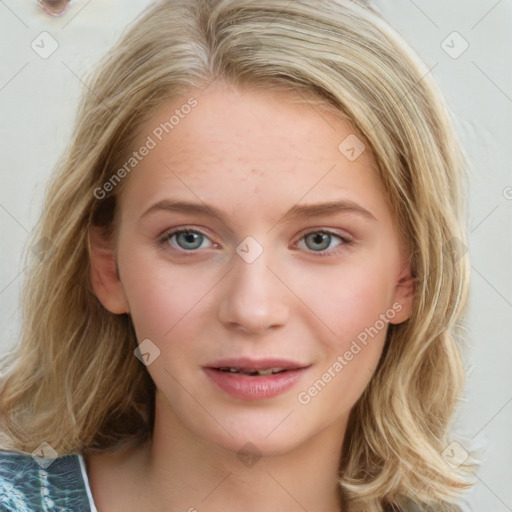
x=253, y=299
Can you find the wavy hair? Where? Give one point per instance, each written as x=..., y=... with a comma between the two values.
x=73, y=380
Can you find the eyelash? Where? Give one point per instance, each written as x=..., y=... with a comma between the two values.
x=166, y=237
x=345, y=242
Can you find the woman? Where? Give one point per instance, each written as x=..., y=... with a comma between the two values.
x=255, y=274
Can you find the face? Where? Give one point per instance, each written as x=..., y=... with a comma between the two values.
x=263, y=264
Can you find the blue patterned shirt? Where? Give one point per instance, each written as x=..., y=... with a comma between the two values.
x=29, y=485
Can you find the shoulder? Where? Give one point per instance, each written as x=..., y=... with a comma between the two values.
x=30, y=484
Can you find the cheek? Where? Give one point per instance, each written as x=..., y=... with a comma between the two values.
x=358, y=317
x=161, y=297
x=347, y=299
x=353, y=302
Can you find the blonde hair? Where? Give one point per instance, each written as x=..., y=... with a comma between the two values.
x=74, y=382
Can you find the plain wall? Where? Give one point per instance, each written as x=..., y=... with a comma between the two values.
x=465, y=43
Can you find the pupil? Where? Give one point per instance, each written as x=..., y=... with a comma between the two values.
x=318, y=241
x=189, y=240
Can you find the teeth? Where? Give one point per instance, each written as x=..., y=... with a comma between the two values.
x=268, y=371
x=265, y=372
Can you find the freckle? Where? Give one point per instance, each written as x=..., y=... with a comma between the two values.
x=257, y=173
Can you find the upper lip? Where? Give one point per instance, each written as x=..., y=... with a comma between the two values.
x=246, y=363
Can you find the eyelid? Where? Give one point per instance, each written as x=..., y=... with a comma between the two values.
x=346, y=240
x=164, y=237
x=331, y=231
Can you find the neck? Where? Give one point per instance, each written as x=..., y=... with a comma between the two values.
x=192, y=473
x=180, y=471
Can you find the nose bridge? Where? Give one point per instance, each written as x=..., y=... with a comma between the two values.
x=252, y=298
x=252, y=278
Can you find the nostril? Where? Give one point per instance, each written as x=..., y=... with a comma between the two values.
x=54, y=7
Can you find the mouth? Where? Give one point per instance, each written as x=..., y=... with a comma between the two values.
x=251, y=372
x=255, y=379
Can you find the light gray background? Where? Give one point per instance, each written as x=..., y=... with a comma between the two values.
x=38, y=97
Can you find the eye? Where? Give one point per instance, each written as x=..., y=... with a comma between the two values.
x=187, y=239
x=320, y=241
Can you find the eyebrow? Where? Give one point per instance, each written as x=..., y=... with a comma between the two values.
x=296, y=212
x=330, y=208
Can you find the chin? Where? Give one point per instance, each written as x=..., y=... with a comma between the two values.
x=260, y=433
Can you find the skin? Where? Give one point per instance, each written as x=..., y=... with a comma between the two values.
x=253, y=156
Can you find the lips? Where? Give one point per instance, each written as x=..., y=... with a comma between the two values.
x=252, y=379
x=248, y=364
x=252, y=373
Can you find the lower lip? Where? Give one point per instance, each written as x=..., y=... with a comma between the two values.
x=245, y=387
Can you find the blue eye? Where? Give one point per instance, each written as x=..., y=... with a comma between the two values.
x=320, y=241
x=187, y=240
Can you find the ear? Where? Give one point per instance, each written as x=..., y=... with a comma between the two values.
x=404, y=295
x=104, y=275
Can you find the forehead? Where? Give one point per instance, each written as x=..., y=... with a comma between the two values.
x=235, y=144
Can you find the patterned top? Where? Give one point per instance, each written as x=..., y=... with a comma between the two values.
x=29, y=484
